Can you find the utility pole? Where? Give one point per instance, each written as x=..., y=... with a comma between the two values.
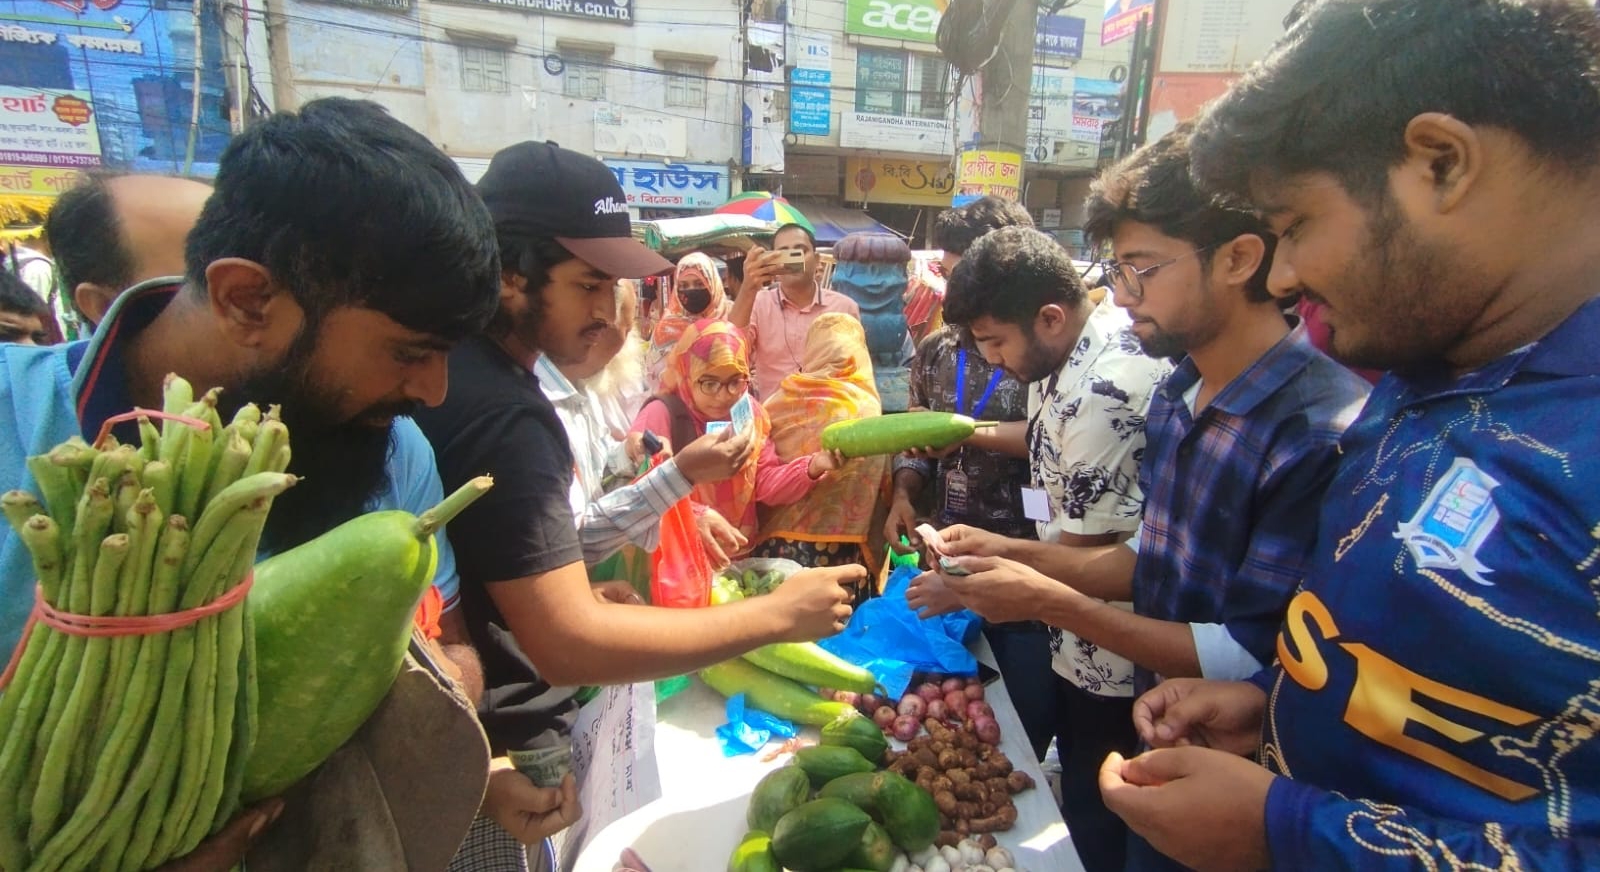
x=1003, y=117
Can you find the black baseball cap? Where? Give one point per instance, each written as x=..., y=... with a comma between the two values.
x=540, y=189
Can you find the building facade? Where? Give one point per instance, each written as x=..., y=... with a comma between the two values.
x=652, y=87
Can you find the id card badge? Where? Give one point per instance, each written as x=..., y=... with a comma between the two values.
x=743, y=415
x=1036, y=504
x=955, y=493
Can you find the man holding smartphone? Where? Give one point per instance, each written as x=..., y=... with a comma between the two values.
x=776, y=318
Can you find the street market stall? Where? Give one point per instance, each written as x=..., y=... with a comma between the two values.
x=700, y=816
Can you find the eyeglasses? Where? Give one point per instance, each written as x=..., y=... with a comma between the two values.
x=1129, y=279
x=711, y=387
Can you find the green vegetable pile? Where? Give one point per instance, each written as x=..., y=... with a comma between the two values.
x=124, y=751
x=731, y=584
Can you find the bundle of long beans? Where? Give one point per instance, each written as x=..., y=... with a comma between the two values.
x=123, y=748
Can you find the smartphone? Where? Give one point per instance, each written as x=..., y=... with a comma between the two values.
x=793, y=260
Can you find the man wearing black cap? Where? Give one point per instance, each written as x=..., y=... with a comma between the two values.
x=562, y=226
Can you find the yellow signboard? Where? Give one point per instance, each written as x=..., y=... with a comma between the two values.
x=892, y=180
x=986, y=173
x=32, y=186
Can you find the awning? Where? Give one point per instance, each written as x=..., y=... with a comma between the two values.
x=834, y=223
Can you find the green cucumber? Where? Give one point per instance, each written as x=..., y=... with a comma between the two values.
x=333, y=619
x=771, y=693
x=808, y=663
x=892, y=434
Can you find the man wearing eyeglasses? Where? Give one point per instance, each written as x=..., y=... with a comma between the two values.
x=1242, y=441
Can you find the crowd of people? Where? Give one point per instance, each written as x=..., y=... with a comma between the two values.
x=1280, y=591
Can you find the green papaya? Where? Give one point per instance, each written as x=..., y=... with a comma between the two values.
x=856, y=732
x=823, y=763
x=855, y=788
x=754, y=854
x=776, y=794
x=817, y=836
x=907, y=811
x=874, y=851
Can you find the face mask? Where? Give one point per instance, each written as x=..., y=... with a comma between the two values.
x=695, y=300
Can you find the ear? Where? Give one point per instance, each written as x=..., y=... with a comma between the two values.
x=250, y=306
x=512, y=287
x=1444, y=156
x=1051, y=319
x=93, y=300
x=1237, y=261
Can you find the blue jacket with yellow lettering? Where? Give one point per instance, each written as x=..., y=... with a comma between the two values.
x=1437, y=702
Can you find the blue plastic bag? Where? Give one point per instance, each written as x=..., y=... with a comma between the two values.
x=887, y=624
x=748, y=729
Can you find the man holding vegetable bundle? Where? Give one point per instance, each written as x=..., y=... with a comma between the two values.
x=565, y=239
x=340, y=257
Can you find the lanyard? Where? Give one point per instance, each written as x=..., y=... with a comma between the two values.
x=961, y=386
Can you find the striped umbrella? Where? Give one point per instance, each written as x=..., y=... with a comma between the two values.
x=763, y=205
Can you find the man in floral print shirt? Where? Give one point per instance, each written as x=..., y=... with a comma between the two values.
x=1021, y=298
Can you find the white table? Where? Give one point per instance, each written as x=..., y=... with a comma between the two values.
x=699, y=818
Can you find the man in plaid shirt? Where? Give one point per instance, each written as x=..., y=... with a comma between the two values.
x=1242, y=441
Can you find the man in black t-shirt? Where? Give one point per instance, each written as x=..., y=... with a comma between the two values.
x=565, y=239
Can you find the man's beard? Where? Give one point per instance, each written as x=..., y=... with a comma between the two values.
x=1038, y=361
x=342, y=466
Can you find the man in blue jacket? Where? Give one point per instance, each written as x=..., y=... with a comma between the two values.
x=339, y=259
x=1429, y=169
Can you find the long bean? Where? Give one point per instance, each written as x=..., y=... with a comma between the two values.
x=53, y=790
x=60, y=494
x=179, y=832
x=137, y=742
x=19, y=506
x=244, y=532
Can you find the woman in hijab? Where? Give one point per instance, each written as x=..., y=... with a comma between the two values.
x=708, y=372
x=696, y=293
x=831, y=527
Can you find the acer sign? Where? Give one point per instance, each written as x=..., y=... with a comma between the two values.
x=910, y=20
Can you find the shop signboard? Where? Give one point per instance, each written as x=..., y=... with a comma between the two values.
x=1122, y=18
x=1059, y=36
x=895, y=133
x=990, y=173
x=811, y=85
x=904, y=181
x=909, y=20
x=654, y=185
x=609, y=11
x=109, y=82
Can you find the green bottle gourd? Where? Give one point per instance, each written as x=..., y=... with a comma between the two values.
x=333, y=619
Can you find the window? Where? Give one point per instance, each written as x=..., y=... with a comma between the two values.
x=901, y=83
x=686, y=84
x=585, y=78
x=483, y=69
x=928, y=79
x=880, y=81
